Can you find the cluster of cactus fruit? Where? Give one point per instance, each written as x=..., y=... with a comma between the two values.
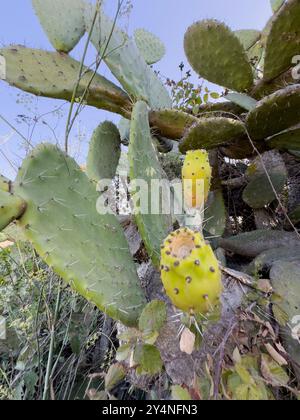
x=54, y=201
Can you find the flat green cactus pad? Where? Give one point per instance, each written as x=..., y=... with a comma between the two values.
x=54, y=75
x=295, y=215
x=104, y=152
x=259, y=192
x=172, y=122
x=276, y=4
x=149, y=45
x=283, y=40
x=286, y=140
x=215, y=216
x=87, y=249
x=123, y=58
x=154, y=227
x=209, y=133
x=251, y=244
x=124, y=129
x=4, y=183
x=11, y=207
x=275, y=113
x=216, y=54
x=248, y=37
x=266, y=259
x=285, y=281
x=62, y=20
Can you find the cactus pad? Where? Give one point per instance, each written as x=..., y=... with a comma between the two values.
x=190, y=272
x=54, y=75
x=216, y=54
x=149, y=45
x=4, y=184
x=215, y=215
x=62, y=20
x=104, y=152
x=248, y=37
x=283, y=40
x=259, y=192
x=276, y=4
x=275, y=113
x=124, y=129
x=171, y=122
x=145, y=166
x=251, y=244
x=11, y=207
x=285, y=281
x=87, y=249
x=125, y=61
x=286, y=140
x=196, y=178
x=209, y=133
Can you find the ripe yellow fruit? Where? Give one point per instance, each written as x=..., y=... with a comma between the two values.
x=196, y=178
x=190, y=272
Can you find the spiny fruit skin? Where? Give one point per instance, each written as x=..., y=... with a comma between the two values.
x=196, y=177
x=190, y=272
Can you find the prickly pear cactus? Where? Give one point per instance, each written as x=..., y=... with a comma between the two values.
x=248, y=37
x=11, y=207
x=87, y=249
x=125, y=61
x=190, y=272
x=149, y=45
x=54, y=75
x=144, y=165
x=209, y=133
x=217, y=54
x=104, y=152
x=196, y=176
x=286, y=140
x=260, y=191
x=172, y=121
x=285, y=280
x=283, y=40
x=4, y=183
x=275, y=113
x=62, y=20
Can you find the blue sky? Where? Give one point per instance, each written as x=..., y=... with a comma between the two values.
x=166, y=18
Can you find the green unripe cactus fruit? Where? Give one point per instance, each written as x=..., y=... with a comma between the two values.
x=196, y=178
x=86, y=248
x=11, y=207
x=190, y=272
x=62, y=20
x=149, y=45
x=104, y=152
x=216, y=54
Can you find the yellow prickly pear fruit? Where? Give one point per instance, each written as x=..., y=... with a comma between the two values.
x=190, y=272
x=196, y=177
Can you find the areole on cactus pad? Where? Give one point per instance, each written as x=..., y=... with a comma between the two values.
x=190, y=272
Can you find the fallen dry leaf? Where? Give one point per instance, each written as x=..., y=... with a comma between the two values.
x=6, y=244
x=187, y=341
x=275, y=355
